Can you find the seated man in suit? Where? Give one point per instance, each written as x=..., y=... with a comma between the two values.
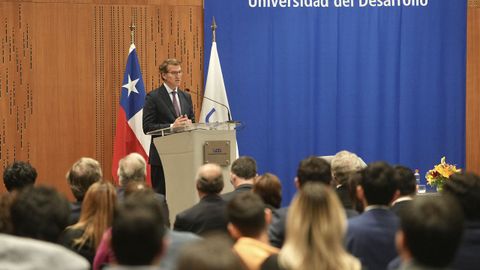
x=311, y=169
x=138, y=233
x=133, y=169
x=344, y=164
x=209, y=213
x=407, y=187
x=242, y=173
x=371, y=235
x=465, y=188
x=430, y=232
x=84, y=173
x=248, y=221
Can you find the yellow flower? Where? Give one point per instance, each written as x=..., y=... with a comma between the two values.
x=440, y=173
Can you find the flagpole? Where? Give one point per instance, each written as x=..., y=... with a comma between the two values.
x=214, y=28
x=132, y=33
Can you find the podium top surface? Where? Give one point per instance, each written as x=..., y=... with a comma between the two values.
x=195, y=126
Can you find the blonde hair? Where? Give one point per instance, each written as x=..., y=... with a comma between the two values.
x=316, y=225
x=97, y=213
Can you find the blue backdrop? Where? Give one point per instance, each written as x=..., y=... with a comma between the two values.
x=387, y=83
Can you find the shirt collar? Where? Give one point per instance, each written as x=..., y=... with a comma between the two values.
x=170, y=90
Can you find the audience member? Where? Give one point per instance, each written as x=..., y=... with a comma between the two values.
x=31, y=254
x=430, y=232
x=138, y=233
x=132, y=169
x=242, y=175
x=353, y=183
x=6, y=200
x=176, y=240
x=97, y=213
x=40, y=213
x=311, y=169
x=465, y=188
x=407, y=186
x=208, y=214
x=80, y=177
x=19, y=175
x=371, y=235
x=344, y=164
x=269, y=188
x=198, y=256
x=316, y=228
x=248, y=220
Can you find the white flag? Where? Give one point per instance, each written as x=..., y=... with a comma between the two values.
x=215, y=93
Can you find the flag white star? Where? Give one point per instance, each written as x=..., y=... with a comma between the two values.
x=131, y=85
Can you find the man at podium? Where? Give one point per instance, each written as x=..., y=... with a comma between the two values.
x=166, y=106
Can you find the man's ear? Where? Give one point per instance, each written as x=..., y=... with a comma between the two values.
x=396, y=195
x=268, y=216
x=361, y=195
x=297, y=183
x=402, y=246
x=234, y=232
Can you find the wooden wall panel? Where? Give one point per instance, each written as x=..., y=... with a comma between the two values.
x=473, y=88
x=62, y=67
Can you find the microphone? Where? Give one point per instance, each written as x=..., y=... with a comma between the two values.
x=214, y=101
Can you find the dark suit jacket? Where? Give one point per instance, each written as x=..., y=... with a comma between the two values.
x=276, y=230
x=158, y=113
x=468, y=253
x=205, y=216
x=371, y=238
x=398, y=207
x=242, y=188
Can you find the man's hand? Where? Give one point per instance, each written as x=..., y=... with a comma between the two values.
x=182, y=121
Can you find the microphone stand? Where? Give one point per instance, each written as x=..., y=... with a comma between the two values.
x=214, y=101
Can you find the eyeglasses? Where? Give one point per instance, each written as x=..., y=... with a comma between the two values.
x=175, y=73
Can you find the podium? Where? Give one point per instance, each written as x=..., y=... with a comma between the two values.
x=182, y=151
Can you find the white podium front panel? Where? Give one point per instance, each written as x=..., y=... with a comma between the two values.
x=182, y=155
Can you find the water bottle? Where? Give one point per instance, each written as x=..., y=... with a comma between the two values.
x=417, y=177
x=420, y=188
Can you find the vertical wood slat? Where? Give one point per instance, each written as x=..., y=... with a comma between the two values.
x=473, y=88
x=61, y=69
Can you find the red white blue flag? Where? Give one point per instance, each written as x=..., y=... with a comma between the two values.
x=129, y=136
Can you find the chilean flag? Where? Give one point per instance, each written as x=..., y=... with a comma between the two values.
x=129, y=136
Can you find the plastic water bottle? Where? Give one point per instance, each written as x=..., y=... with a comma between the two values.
x=417, y=177
x=420, y=188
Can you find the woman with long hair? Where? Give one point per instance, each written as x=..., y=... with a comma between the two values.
x=315, y=229
x=84, y=236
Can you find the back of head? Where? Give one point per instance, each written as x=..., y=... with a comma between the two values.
x=246, y=211
x=210, y=179
x=138, y=230
x=244, y=167
x=378, y=183
x=405, y=180
x=132, y=168
x=316, y=225
x=465, y=187
x=314, y=169
x=432, y=227
x=343, y=164
x=97, y=212
x=82, y=175
x=269, y=188
x=198, y=256
x=40, y=213
x=19, y=175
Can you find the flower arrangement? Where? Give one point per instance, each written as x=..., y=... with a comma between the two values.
x=440, y=173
